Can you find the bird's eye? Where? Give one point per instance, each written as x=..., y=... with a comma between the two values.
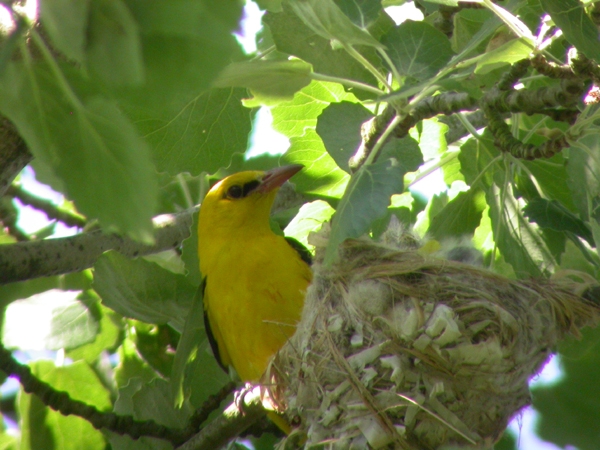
x=235, y=191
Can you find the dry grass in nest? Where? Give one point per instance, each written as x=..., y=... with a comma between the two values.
x=400, y=350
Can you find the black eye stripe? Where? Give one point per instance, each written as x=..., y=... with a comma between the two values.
x=250, y=186
x=239, y=191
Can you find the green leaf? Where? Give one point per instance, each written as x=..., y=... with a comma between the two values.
x=270, y=81
x=406, y=151
x=293, y=37
x=417, y=49
x=339, y=126
x=200, y=136
x=467, y=22
x=44, y=429
x=113, y=48
x=185, y=44
x=89, y=145
x=568, y=412
x=310, y=218
x=578, y=28
x=109, y=336
x=321, y=175
x=508, y=53
x=50, y=320
x=461, y=216
x=584, y=173
x=551, y=214
x=66, y=22
x=327, y=20
x=143, y=290
x=299, y=115
x=195, y=373
x=147, y=401
x=520, y=241
x=552, y=177
x=365, y=200
x=431, y=138
x=362, y=13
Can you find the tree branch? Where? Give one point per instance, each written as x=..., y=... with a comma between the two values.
x=14, y=155
x=234, y=420
x=47, y=207
x=27, y=260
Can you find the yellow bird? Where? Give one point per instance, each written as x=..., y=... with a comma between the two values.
x=254, y=280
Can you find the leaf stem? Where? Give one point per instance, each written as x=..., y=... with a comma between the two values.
x=365, y=62
x=390, y=63
x=344, y=81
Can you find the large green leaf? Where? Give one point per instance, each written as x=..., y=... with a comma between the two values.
x=297, y=120
x=552, y=177
x=65, y=21
x=339, y=126
x=361, y=12
x=321, y=175
x=551, y=214
x=202, y=135
x=87, y=142
x=576, y=25
x=195, y=373
x=113, y=47
x=270, y=81
x=147, y=401
x=519, y=240
x=45, y=429
x=185, y=44
x=326, y=19
x=417, y=49
x=584, y=174
x=508, y=53
x=295, y=117
x=366, y=199
x=142, y=290
x=292, y=36
x=568, y=410
x=50, y=320
x=459, y=217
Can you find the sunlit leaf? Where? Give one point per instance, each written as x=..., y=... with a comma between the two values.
x=43, y=428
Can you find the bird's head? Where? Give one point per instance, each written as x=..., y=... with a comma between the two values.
x=242, y=201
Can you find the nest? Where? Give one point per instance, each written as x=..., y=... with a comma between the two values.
x=397, y=349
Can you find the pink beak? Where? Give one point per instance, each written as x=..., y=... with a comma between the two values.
x=274, y=178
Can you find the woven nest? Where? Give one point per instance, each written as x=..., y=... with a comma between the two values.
x=397, y=349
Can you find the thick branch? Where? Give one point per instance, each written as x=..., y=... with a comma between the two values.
x=14, y=155
x=229, y=425
x=27, y=260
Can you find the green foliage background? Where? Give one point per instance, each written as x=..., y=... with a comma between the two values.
x=131, y=107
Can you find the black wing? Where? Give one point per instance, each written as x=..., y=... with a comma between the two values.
x=209, y=333
x=305, y=255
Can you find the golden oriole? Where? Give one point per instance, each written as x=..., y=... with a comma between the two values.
x=254, y=280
